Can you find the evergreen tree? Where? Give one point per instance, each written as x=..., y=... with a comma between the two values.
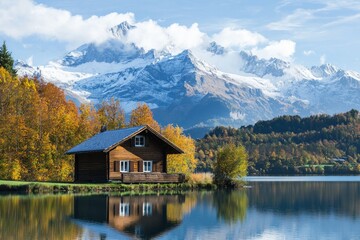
x=6, y=60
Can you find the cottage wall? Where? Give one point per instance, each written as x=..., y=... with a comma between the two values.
x=91, y=167
x=153, y=150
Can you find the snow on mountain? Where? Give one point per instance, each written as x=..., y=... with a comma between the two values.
x=325, y=70
x=215, y=48
x=121, y=30
x=186, y=90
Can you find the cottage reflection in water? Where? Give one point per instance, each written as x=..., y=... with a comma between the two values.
x=136, y=216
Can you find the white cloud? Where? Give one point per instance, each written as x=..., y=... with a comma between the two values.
x=283, y=49
x=292, y=21
x=308, y=52
x=148, y=35
x=23, y=18
x=229, y=62
x=238, y=38
x=323, y=59
x=176, y=38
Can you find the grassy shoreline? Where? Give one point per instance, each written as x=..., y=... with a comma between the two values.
x=8, y=186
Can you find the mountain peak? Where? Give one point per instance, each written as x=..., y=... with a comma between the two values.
x=324, y=70
x=262, y=67
x=121, y=30
x=216, y=48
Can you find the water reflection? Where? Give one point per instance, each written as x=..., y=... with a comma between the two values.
x=37, y=217
x=231, y=205
x=269, y=210
x=342, y=198
x=137, y=216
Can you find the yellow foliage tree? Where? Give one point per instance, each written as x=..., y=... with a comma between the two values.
x=142, y=115
x=37, y=126
x=180, y=163
x=231, y=164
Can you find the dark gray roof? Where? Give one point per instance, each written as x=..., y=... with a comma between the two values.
x=106, y=140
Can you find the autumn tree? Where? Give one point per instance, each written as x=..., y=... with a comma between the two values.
x=111, y=114
x=231, y=164
x=142, y=115
x=37, y=126
x=6, y=60
x=89, y=121
x=180, y=163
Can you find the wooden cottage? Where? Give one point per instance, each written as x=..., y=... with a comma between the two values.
x=131, y=155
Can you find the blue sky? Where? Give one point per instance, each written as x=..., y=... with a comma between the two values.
x=307, y=32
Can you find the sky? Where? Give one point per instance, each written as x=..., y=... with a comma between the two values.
x=308, y=32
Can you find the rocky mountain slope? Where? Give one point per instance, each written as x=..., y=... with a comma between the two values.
x=185, y=90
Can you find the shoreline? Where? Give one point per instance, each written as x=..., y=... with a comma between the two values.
x=23, y=187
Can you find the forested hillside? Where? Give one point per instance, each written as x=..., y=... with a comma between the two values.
x=320, y=144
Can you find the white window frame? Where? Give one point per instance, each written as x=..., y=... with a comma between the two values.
x=138, y=140
x=147, y=209
x=124, y=166
x=146, y=167
x=124, y=209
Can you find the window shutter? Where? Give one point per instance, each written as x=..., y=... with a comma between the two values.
x=141, y=166
x=117, y=166
x=131, y=167
x=116, y=210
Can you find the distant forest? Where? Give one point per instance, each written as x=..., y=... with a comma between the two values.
x=289, y=145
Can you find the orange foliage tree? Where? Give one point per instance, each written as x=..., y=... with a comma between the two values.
x=142, y=115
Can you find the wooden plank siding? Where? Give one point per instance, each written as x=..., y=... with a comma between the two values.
x=91, y=167
x=153, y=178
x=154, y=150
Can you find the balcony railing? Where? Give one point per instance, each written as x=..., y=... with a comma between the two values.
x=153, y=177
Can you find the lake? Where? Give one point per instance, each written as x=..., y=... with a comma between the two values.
x=270, y=208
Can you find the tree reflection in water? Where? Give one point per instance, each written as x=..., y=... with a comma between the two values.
x=342, y=198
x=37, y=217
x=231, y=206
x=273, y=205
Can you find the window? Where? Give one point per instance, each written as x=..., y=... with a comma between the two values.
x=139, y=141
x=147, y=167
x=124, y=209
x=124, y=166
x=147, y=209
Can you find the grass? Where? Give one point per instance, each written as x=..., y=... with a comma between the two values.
x=58, y=187
x=201, y=178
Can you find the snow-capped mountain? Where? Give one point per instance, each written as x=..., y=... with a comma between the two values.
x=185, y=90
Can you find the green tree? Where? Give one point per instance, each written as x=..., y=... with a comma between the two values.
x=6, y=60
x=231, y=164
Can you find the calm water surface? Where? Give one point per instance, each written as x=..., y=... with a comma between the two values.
x=272, y=208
